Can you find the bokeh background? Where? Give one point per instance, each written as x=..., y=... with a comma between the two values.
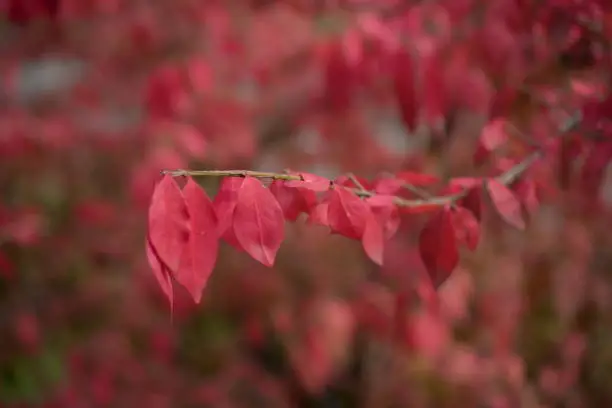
x=98, y=96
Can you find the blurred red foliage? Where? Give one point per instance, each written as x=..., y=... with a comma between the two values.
x=418, y=99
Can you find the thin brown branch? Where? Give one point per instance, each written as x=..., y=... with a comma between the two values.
x=232, y=173
x=356, y=182
x=417, y=191
x=506, y=178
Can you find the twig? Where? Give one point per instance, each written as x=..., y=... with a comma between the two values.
x=507, y=178
x=232, y=173
x=418, y=191
x=356, y=182
x=511, y=175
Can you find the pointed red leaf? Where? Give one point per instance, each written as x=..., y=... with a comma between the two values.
x=318, y=214
x=373, y=239
x=310, y=182
x=506, y=203
x=201, y=252
x=347, y=213
x=288, y=199
x=160, y=271
x=292, y=200
x=405, y=88
x=466, y=226
x=473, y=201
x=388, y=185
x=168, y=223
x=259, y=224
x=381, y=200
x=386, y=212
x=438, y=246
x=225, y=202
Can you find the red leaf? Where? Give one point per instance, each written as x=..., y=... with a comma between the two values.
x=417, y=179
x=189, y=140
x=405, y=88
x=473, y=201
x=438, y=246
x=493, y=136
x=427, y=333
x=434, y=98
x=386, y=212
x=310, y=182
x=259, y=224
x=348, y=182
x=288, y=199
x=527, y=192
x=339, y=78
x=373, y=239
x=466, y=226
x=420, y=209
x=201, y=254
x=462, y=183
x=225, y=202
x=168, y=223
x=381, y=200
x=318, y=214
x=322, y=348
x=293, y=201
x=347, y=213
x=506, y=203
x=160, y=271
x=388, y=186
x=503, y=100
x=199, y=74
x=25, y=227
x=393, y=185
x=165, y=93
x=7, y=268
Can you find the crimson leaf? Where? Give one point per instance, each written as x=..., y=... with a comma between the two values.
x=259, y=225
x=438, y=246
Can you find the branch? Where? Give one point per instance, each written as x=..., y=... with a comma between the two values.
x=232, y=173
x=506, y=178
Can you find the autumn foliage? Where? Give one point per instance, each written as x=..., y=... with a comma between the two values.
x=344, y=203
x=185, y=226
